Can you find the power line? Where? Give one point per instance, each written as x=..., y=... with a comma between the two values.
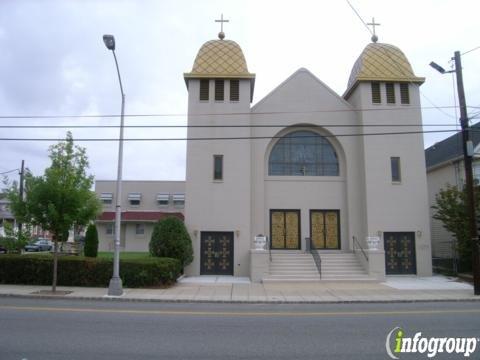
x=8, y=172
x=356, y=12
x=397, y=65
x=231, y=138
x=215, y=126
x=219, y=114
x=469, y=51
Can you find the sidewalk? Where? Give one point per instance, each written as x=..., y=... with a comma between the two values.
x=229, y=289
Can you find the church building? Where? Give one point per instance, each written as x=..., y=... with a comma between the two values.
x=321, y=176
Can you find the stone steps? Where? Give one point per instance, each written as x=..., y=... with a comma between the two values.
x=292, y=266
x=297, y=266
x=342, y=266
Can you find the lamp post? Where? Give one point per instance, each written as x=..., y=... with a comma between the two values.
x=115, y=286
x=467, y=160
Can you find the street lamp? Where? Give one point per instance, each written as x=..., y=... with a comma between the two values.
x=440, y=69
x=467, y=160
x=115, y=286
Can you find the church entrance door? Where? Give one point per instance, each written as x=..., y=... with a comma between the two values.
x=400, y=253
x=285, y=229
x=325, y=229
x=216, y=256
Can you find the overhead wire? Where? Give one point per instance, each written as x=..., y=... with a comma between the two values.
x=397, y=65
x=67, y=126
x=151, y=115
x=232, y=137
x=471, y=50
x=8, y=172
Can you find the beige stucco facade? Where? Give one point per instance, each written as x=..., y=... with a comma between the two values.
x=368, y=202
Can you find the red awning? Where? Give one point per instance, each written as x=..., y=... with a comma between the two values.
x=139, y=215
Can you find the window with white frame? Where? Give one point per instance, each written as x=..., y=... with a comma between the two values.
x=163, y=199
x=139, y=229
x=134, y=199
x=179, y=201
x=106, y=198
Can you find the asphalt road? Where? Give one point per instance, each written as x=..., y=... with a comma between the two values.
x=66, y=329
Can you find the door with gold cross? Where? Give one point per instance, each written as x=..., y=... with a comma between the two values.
x=325, y=229
x=400, y=253
x=285, y=229
x=216, y=256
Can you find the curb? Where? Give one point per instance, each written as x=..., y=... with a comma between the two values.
x=123, y=299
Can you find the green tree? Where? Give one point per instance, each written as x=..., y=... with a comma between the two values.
x=91, y=241
x=12, y=241
x=170, y=238
x=450, y=209
x=61, y=198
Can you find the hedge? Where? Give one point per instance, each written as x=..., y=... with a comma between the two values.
x=91, y=272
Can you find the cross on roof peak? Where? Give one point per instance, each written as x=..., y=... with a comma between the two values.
x=373, y=24
x=221, y=34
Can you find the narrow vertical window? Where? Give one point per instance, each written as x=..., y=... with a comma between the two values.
x=376, y=98
x=217, y=167
x=219, y=90
x=204, y=89
x=396, y=174
x=139, y=229
x=404, y=94
x=109, y=229
x=234, y=90
x=390, y=87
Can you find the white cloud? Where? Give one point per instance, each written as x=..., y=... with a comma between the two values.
x=54, y=62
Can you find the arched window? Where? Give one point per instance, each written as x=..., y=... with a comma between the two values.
x=303, y=153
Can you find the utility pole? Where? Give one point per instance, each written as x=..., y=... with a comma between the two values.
x=467, y=160
x=22, y=175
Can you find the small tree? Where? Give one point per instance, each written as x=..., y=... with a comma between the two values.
x=59, y=199
x=451, y=210
x=91, y=241
x=171, y=239
x=13, y=241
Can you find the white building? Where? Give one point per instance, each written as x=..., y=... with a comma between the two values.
x=445, y=167
x=303, y=168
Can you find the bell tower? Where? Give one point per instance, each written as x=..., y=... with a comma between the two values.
x=386, y=94
x=218, y=177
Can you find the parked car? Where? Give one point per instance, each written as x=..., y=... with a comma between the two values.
x=3, y=250
x=39, y=245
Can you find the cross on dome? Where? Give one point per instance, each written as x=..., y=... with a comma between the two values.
x=373, y=24
x=221, y=34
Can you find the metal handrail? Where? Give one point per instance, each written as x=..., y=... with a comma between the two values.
x=269, y=249
x=355, y=241
x=316, y=255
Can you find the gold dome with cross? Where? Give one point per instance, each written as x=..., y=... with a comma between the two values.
x=220, y=59
x=382, y=62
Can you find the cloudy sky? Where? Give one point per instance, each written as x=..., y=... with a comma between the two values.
x=53, y=62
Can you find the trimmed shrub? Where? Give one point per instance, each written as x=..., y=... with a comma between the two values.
x=91, y=272
x=171, y=239
x=91, y=241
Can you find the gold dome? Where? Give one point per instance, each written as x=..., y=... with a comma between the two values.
x=220, y=59
x=381, y=62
